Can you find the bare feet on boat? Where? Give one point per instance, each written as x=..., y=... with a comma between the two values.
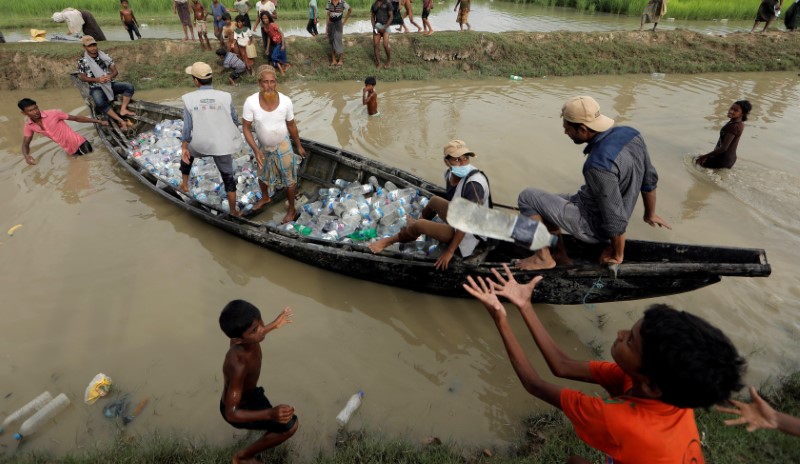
x=536, y=261
x=380, y=245
x=260, y=204
x=236, y=213
x=183, y=188
x=290, y=216
x=124, y=113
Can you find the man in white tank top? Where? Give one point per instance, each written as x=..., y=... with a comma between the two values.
x=271, y=114
x=210, y=128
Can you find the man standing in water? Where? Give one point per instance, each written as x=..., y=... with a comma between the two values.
x=272, y=114
x=50, y=123
x=616, y=169
x=210, y=128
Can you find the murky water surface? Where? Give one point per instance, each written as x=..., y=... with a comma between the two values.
x=104, y=276
x=485, y=16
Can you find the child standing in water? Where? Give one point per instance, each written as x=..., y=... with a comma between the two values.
x=244, y=404
x=724, y=154
x=369, y=97
x=128, y=19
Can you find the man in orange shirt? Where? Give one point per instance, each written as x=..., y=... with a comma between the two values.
x=667, y=364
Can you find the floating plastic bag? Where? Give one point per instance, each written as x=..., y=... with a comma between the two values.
x=98, y=388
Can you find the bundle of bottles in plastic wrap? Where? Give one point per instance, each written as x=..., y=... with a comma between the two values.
x=159, y=152
x=354, y=212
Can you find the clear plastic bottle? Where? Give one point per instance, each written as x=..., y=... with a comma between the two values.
x=389, y=186
x=470, y=217
x=352, y=404
x=514, y=77
x=32, y=406
x=43, y=416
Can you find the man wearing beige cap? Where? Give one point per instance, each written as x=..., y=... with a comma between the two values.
x=99, y=71
x=462, y=180
x=616, y=169
x=210, y=128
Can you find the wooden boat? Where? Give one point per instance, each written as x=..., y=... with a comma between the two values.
x=650, y=269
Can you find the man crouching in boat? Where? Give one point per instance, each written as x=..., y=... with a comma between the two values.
x=210, y=128
x=462, y=180
x=616, y=169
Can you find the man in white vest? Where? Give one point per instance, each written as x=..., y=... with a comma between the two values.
x=210, y=128
x=271, y=114
x=462, y=180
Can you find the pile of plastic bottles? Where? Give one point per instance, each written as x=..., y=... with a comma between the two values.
x=159, y=153
x=354, y=212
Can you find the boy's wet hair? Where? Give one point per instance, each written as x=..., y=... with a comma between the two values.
x=370, y=81
x=693, y=363
x=221, y=51
x=237, y=316
x=25, y=103
x=745, y=106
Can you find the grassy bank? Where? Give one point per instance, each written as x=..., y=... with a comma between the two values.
x=37, y=13
x=153, y=63
x=548, y=438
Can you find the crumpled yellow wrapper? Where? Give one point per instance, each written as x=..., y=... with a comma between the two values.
x=38, y=35
x=98, y=388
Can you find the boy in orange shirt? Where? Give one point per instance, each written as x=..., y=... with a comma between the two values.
x=667, y=364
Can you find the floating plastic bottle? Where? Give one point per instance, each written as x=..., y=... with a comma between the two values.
x=352, y=404
x=514, y=77
x=33, y=405
x=49, y=411
x=475, y=219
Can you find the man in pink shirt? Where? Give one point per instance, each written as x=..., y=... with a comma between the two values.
x=51, y=124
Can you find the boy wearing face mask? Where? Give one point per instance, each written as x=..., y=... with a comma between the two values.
x=461, y=180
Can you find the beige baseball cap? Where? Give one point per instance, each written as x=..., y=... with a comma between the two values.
x=585, y=110
x=88, y=40
x=456, y=149
x=199, y=70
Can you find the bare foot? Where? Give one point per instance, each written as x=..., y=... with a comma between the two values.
x=126, y=112
x=238, y=460
x=290, y=216
x=387, y=65
x=535, y=262
x=183, y=188
x=260, y=204
x=340, y=63
x=236, y=213
x=380, y=245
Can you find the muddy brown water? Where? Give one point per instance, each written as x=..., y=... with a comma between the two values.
x=104, y=276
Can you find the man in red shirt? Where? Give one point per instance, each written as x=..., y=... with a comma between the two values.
x=51, y=124
x=668, y=363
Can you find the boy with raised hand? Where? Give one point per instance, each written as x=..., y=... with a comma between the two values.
x=668, y=363
x=243, y=404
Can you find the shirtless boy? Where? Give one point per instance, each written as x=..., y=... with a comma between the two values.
x=128, y=19
x=200, y=24
x=243, y=404
x=369, y=97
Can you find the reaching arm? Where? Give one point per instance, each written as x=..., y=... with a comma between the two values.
x=26, y=150
x=295, y=135
x=520, y=295
x=483, y=290
x=650, y=216
x=85, y=119
x=760, y=415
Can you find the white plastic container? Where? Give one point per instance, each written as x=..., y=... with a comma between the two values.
x=33, y=405
x=48, y=412
x=475, y=219
x=352, y=404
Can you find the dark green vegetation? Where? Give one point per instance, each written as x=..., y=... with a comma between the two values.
x=152, y=63
x=548, y=438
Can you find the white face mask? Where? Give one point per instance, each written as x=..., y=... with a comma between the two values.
x=461, y=171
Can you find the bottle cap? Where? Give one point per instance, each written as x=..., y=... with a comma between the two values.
x=361, y=393
x=17, y=436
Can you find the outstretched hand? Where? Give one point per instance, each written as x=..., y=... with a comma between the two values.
x=508, y=287
x=285, y=317
x=483, y=290
x=757, y=415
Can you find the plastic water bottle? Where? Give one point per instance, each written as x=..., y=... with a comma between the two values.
x=43, y=416
x=514, y=77
x=475, y=219
x=33, y=405
x=352, y=404
x=389, y=186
